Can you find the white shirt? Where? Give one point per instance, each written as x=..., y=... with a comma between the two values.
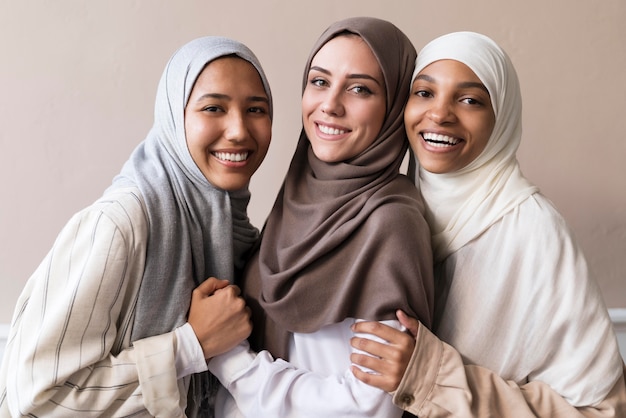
x=520, y=301
x=317, y=382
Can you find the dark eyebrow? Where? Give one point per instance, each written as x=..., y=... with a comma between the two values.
x=464, y=84
x=213, y=96
x=351, y=76
x=220, y=96
x=259, y=99
x=473, y=84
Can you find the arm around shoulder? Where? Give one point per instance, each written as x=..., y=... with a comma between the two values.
x=438, y=384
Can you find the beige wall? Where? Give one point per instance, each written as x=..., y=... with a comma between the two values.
x=78, y=79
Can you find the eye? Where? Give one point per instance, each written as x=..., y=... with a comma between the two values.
x=212, y=109
x=422, y=93
x=361, y=90
x=257, y=109
x=318, y=82
x=472, y=101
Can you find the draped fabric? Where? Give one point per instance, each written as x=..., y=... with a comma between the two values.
x=195, y=229
x=346, y=239
x=463, y=204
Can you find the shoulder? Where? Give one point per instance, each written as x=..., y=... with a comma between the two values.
x=398, y=207
x=126, y=201
x=121, y=211
x=399, y=196
x=534, y=241
x=537, y=220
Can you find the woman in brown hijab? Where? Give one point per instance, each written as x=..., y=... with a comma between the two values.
x=345, y=240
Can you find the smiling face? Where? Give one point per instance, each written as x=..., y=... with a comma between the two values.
x=448, y=117
x=227, y=122
x=343, y=105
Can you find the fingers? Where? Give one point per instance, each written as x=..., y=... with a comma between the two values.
x=411, y=324
x=210, y=285
x=387, y=359
x=379, y=381
x=388, y=353
x=233, y=288
x=386, y=374
x=368, y=346
x=382, y=331
x=219, y=316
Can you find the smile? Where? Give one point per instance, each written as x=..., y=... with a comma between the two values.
x=331, y=131
x=438, y=140
x=231, y=156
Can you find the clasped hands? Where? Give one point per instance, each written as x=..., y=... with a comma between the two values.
x=219, y=316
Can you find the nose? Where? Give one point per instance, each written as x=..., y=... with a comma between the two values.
x=236, y=130
x=441, y=111
x=332, y=104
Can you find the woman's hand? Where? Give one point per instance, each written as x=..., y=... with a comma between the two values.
x=218, y=316
x=387, y=361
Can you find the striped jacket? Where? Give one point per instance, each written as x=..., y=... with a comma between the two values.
x=69, y=351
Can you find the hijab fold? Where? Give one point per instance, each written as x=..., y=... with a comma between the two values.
x=463, y=204
x=346, y=239
x=195, y=229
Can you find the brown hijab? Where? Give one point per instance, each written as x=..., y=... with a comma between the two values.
x=345, y=240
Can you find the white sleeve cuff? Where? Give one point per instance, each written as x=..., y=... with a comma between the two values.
x=228, y=366
x=189, y=356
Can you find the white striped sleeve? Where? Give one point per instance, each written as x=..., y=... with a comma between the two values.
x=64, y=354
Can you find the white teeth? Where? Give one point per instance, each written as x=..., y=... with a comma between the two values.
x=231, y=156
x=331, y=131
x=438, y=140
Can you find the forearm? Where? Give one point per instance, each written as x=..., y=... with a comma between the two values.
x=103, y=387
x=262, y=386
x=438, y=384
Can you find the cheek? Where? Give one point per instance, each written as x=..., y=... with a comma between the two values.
x=307, y=110
x=411, y=113
x=485, y=130
x=307, y=102
x=193, y=129
x=264, y=134
x=372, y=116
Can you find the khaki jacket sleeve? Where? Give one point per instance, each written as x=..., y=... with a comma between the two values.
x=438, y=384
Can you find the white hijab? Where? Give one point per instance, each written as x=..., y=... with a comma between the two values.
x=463, y=204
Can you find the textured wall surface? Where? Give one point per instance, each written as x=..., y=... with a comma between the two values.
x=78, y=81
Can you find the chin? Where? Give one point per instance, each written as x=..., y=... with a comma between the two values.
x=433, y=168
x=231, y=186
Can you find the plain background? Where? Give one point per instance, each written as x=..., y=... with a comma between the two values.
x=78, y=81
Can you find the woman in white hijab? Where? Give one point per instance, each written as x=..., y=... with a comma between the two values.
x=101, y=327
x=520, y=327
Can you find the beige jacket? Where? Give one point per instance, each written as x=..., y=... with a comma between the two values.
x=437, y=384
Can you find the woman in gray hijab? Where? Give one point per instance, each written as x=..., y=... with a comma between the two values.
x=102, y=326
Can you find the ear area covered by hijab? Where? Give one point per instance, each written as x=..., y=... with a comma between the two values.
x=346, y=239
x=463, y=204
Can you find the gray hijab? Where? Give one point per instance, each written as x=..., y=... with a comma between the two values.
x=196, y=230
